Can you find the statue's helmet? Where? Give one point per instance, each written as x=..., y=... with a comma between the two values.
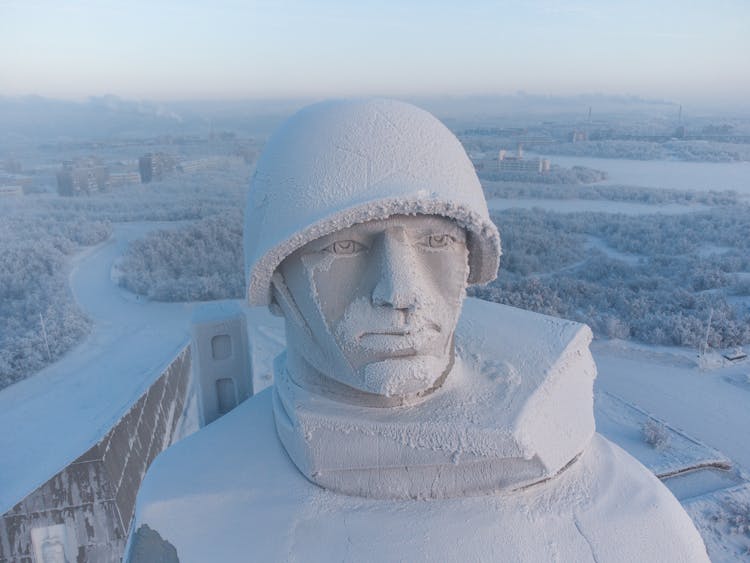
x=339, y=163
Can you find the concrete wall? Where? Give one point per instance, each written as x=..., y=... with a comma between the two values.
x=221, y=364
x=94, y=497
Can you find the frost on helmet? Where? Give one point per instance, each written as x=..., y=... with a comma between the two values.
x=336, y=164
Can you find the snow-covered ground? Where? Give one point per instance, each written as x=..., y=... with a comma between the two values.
x=671, y=455
x=706, y=414
x=669, y=384
x=50, y=419
x=666, y=174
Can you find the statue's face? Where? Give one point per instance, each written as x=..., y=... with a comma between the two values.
x=381, y=300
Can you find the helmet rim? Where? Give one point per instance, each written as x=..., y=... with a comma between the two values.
x=483, y=240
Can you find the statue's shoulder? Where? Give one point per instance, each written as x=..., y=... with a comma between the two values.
x=504, y=329
x=240, y=448
x=532, y=376
x=525, y=350
x=219, y=494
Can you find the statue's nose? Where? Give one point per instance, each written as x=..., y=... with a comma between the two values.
x=398, y=275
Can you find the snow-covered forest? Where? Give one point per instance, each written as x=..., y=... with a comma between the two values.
x=200, y=262
x=687, y=150
x=614, y=193
x=40, y=320
x=39, y=235
x=653, y=278
x=556, y=175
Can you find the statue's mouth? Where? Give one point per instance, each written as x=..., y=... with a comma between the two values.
x=414, y=330
x=385, y=333
x=399, y=342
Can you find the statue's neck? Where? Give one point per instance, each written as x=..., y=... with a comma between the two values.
x=305, y=375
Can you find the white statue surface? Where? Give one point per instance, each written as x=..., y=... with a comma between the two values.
x=406, y=421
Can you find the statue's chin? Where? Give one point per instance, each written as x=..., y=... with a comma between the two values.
x=398, y=377
x=389, y=382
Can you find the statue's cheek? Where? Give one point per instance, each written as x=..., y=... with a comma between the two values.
x=335, y=283
x=448, y=271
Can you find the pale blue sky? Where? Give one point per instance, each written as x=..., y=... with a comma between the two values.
x=683, y=50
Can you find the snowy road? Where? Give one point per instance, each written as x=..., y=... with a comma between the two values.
x=50, y=419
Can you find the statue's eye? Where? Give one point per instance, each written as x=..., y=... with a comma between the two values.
x=438, y=241
x=344, y=247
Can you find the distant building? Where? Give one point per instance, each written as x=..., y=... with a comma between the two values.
x=224, y=136
x=517, y=163
x=12, y=165
x=82, y=177
x=714, y=130
x=578, y=136
x=124, y=179
x=154, y=166
x=11, y=191
x=208, y=163
x=12, y=179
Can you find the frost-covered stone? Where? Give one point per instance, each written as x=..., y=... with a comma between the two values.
x=370, y=310
x=395, y=431
x=220, y=362
x=515, y=409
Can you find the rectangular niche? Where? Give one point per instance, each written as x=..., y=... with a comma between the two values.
x=221, y=347
x=226, y=394
x=51, y=544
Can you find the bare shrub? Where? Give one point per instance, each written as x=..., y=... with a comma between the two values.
x=655, y=434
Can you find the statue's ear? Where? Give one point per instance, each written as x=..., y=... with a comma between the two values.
x=283, y=304
x=278, y=294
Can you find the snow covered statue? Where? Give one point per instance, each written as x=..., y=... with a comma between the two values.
x=406, y=421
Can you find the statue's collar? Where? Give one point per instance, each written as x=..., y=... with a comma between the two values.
x=301, y=373
x=515, y=409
